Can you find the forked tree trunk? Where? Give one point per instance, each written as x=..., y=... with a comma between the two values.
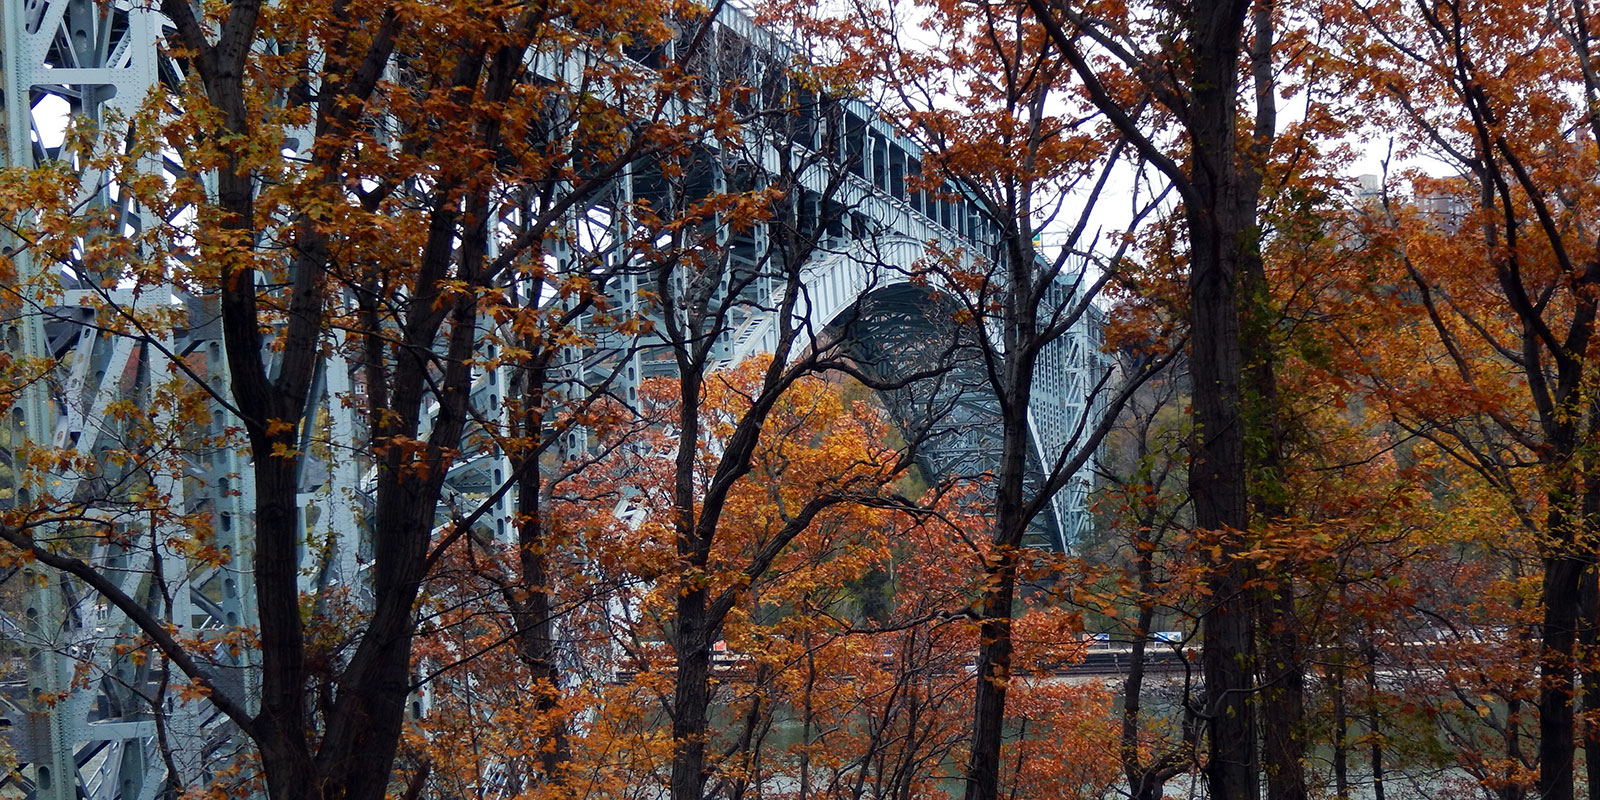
x=1267, y=428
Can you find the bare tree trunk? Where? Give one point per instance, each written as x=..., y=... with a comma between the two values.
x=1563, y=570
x=1219, y=203
x=994, y=673
x=1374, y=729
x=1283, y=697
x=1221, y=223
x=533, y=608
x=1145, y=780
x=1012, y=366
x=691, y=699
x=1341, y=731
x=1216, y=482
x=1590, y=591
x=1282, y=670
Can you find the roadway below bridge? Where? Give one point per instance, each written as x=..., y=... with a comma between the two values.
x=1097, y=661
x=1117, y=660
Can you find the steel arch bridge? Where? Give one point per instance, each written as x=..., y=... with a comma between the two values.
x=92, y=732
x=871, y=292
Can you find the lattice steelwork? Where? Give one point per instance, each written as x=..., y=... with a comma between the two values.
x=85, y=59
x=75, y=700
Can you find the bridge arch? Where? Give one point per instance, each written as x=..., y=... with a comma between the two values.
x=874, y=293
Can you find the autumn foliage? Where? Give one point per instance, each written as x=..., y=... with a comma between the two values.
x=841, y=671
x=405, y=278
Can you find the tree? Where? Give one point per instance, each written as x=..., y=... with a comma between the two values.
x=431, y=160
x=1143, y=508
x=1500, y=98
x=1127, y=67
x=800, y=525
x=982, y=102
x=695, y=314
x=870, y=671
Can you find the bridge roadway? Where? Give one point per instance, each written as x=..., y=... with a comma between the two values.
x=99, y=61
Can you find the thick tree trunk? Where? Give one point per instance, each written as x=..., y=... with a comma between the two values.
x=362, y=740
x=1282, y=668
x=994, y=675
x=286, y=754
x=288, y=762
x=1216, y=482
x=1221, y=223
x=362, y=736
x=288, y=766
x=1556, y=742
x=1267, y=429
x=289, y=774
x=691, y=697
x=1563, y=571
x=536, y=639
x=1219, y=209
x=1283, y=698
